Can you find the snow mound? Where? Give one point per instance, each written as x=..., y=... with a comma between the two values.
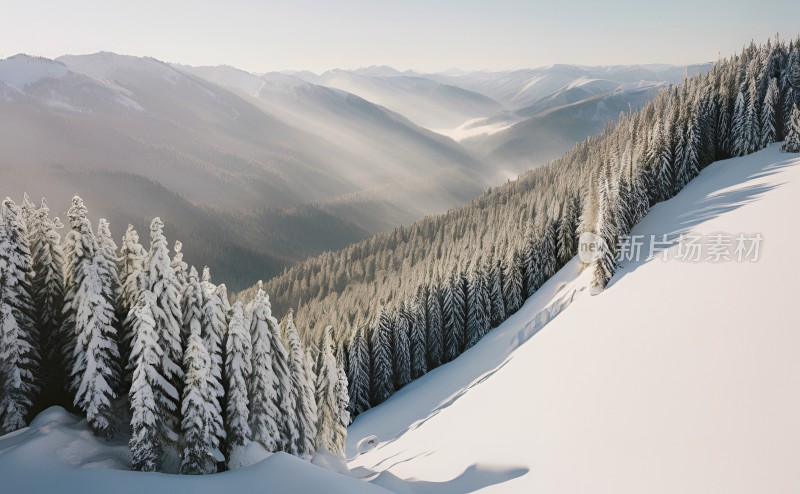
x=679, y=377
x=57, y=454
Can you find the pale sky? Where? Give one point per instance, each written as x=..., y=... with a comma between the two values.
x=426, y=35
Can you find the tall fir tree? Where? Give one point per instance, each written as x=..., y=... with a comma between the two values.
x=19, y=338
x=433, y=316
x=48, y=301
x=792, y=142
x=131, y=265
x=238, y=367
x=148, y=389
x=382, y=382
x=329, y=423
x=401, y=352
x=167, y=314
x=358, y=373
x=265, y=411
x=416, y=339
x=302, y=443
x=197, y=427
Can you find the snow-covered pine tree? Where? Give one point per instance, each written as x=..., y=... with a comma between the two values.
x=433, y=316
x=179, y=266
x=382, y=383
x=28, y=212
x=265, y=411
x=769, y=122
x=752, y=117
x=311, y=415
x=19, y=338
x=329, y=423
x=740, y=134
x=191, y=307
x=401, y=355
x=791, y=87
x=304, y=413
x=197, y=427
x=167, y=314
x=792, y=142
x=416, y=339
x=567, y=243
x=453, y=316
x=147, y=390
x=358, y=373
x=109, y=265
x=215, y=308
x=287, y=420
x=131, y=264
x=48, y=300
x=512, y=281
x=495, y=279
x=96, y=371
x=238, y=367
x=605, y=264
x=342, y=401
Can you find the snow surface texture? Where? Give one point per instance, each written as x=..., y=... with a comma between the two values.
x=57, y=454
x=680, y=377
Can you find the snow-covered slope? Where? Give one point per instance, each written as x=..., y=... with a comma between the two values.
x=680, y=377
x=57, y=454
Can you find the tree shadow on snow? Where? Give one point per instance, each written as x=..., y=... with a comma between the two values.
x=474, y=478
x=669, y=221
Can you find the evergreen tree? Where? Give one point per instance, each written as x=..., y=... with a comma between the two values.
x=329, y=423
x=567, y=243
x=512, y=282
x=131, y=264
x=416, y=339
x=382, y=384
x=792, y=143
x=265, y=411
x=342, y=401
x=435, y=337
x=310, y=403
x=358, y=373
x=287, y=420
x=191, y=307
x=238, y=367
x=179, y=266
x=167, y=314
x=769, y=122
x=498, y=311
x=147, y=390
x=197, y=427
x=19, y=337
x=401, y=357
x=48, y=301
x=454, y=317
x=90, y=323
x=304, y=414
x=214, y=325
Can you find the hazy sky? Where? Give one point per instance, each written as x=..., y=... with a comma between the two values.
x=426, y=35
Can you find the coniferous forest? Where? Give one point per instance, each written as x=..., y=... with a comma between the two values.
x=135, y=339
x=408, y=300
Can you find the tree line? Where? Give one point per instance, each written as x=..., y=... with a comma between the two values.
x=136, y=339
x=411, y=299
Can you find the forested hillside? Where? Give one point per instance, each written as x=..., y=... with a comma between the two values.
x=420, y=295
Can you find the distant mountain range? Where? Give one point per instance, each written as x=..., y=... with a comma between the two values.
x=256, y=172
